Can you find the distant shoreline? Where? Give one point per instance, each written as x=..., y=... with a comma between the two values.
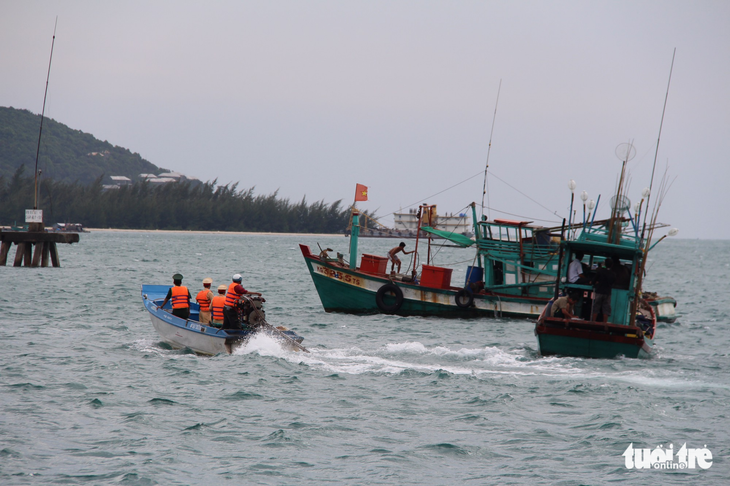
x=198, y=232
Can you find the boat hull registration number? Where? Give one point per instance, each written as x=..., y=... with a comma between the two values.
x=344, y=277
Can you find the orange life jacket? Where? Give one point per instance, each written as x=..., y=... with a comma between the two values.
x=180, y=297
x=202, y=299
x=216, y=307
x=231, y=296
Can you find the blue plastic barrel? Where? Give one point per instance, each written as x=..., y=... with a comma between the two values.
x=474, y=274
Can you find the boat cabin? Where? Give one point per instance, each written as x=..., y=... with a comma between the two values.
x=517, y=257
x=625, y=257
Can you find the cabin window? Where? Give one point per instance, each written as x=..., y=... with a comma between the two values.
x=510, y=274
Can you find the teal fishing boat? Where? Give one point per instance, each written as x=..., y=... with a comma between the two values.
x=513, y=273
x=632, y=325
x=601, y=273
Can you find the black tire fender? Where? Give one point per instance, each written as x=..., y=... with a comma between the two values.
x=464, y=299
x=397, y=293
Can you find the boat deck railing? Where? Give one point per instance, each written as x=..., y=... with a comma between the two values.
x=535, y=251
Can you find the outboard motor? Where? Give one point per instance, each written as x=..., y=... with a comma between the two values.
x=250, y=311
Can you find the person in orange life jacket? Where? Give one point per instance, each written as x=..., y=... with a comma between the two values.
x=233, y=295
x=180, y=298
x=203, y=299
x=216, y=306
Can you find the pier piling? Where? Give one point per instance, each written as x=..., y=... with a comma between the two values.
x=34, y=248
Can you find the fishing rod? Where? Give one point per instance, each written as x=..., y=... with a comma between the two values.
x=489, y=149
x=641, y=266
x=656, y=153
x=38, y=149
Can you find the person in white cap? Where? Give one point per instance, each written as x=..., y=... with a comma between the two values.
x=235, y=291
x=204, y=298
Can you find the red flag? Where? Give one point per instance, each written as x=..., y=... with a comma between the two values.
x=361, y=193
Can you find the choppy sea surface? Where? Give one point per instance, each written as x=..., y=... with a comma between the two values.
x=90, y=395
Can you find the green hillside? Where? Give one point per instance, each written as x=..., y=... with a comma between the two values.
x=66, y=155
x=70, y=189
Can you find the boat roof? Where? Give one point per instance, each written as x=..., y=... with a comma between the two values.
x=511, y=222
x=458, y=238
x=597, y=244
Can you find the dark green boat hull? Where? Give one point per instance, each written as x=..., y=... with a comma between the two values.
x=591, y=341
x=344, y=290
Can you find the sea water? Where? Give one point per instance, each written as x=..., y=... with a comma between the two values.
x=90, y=395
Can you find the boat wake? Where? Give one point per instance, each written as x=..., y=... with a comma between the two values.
x=484, y=363
x=264, y=345
x=409, y=357
x=415, y=357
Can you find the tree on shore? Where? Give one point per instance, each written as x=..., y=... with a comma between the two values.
x=172, y=206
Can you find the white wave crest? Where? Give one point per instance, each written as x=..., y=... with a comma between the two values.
x=396, y=358
x=263, y=345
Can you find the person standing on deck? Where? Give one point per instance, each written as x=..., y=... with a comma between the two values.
x=393, y=257
x=203, y=299
x=216, y=306
x=602, y=284
x=623, y=275
x=180, y=296
x=233, y=296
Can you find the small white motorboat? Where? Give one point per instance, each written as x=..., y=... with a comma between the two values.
x=208, y=340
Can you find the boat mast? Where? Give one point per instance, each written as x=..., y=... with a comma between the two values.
x=38, y=149
x=489, y=149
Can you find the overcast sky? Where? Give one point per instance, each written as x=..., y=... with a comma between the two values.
x=312, y=97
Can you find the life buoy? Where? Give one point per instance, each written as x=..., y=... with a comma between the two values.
x=395, y=292
x=464, y=299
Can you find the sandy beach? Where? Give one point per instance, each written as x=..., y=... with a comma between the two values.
x=192, y=232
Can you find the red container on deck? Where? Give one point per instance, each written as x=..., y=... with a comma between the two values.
x=436, y=277
x=373, y=264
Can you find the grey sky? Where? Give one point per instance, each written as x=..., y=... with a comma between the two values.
x=311, y=97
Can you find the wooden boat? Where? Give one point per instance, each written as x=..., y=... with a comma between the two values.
x=203, y=339
x=513, y=275
x=633, y=321
x=69, y=228
x=665, y=308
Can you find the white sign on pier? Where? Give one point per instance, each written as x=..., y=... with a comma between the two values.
x=33, y=215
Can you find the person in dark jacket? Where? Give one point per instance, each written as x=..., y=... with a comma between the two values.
x=602, y=284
